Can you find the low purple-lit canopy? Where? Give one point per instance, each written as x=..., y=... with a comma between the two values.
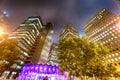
x=40, y=68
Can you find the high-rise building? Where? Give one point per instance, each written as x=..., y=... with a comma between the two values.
x=69, y=31
x=104, y=26
x=52, y=58
x=34, y=41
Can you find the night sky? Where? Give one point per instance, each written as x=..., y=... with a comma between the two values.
x=59, y=12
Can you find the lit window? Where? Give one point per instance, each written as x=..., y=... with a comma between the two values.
x=113, y=54
x=117, y=17
x=117, y=54
x=109, y=55
x=5, y=74
x=108, y=60
x=113, y=26
x=117, y=25
x=119, y=58
x=13, y=74
x=22, y=62
x=25, y=54
x=18, y=67
x=115, y=37
x=112, y=60
x=116, y=28
x=116, y=59
x=114, y=19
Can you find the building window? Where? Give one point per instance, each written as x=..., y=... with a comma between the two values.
x=117, y=54
x=113, y=54
x=13, y=75
x=5, y=74
x=112, y=60
x=18, y=67
x=116, y=59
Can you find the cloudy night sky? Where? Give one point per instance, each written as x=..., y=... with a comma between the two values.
x=59, y=12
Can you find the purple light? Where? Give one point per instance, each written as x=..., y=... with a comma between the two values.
x=39, y=71
x=40, y=68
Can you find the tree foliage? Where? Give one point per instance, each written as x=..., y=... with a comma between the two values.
x=81, y=57
x=8, y=53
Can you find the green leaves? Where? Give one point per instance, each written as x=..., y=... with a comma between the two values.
x=8, y=52
x=81, y=57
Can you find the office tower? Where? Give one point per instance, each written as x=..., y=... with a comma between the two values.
x=104, y=26
x=52, y=58
x=34, y=39
x=69, y=31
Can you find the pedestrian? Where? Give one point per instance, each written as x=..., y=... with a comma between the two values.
x=45, y=78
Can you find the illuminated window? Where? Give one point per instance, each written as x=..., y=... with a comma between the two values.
x=116, y=28
x=109, y=55
x=119, y=58
x=115, y=37
x=114, y=19
x=116, y=59
x=113, y=54
x=13, y=74
x=117, y=25
x=18, y=67
x=113, y=26
x=109, y=61
x=112, y=60
x=21, y=62
x=25, y=53
x=116, y=54
x=5, y=74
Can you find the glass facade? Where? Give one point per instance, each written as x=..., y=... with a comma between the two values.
x=52, y=58
x=104, y=26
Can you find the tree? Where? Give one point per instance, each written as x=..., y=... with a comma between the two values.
x=8, y=53
x=81, y=57
x=68, y=56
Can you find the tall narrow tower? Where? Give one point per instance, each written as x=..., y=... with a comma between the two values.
x=69, y=31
